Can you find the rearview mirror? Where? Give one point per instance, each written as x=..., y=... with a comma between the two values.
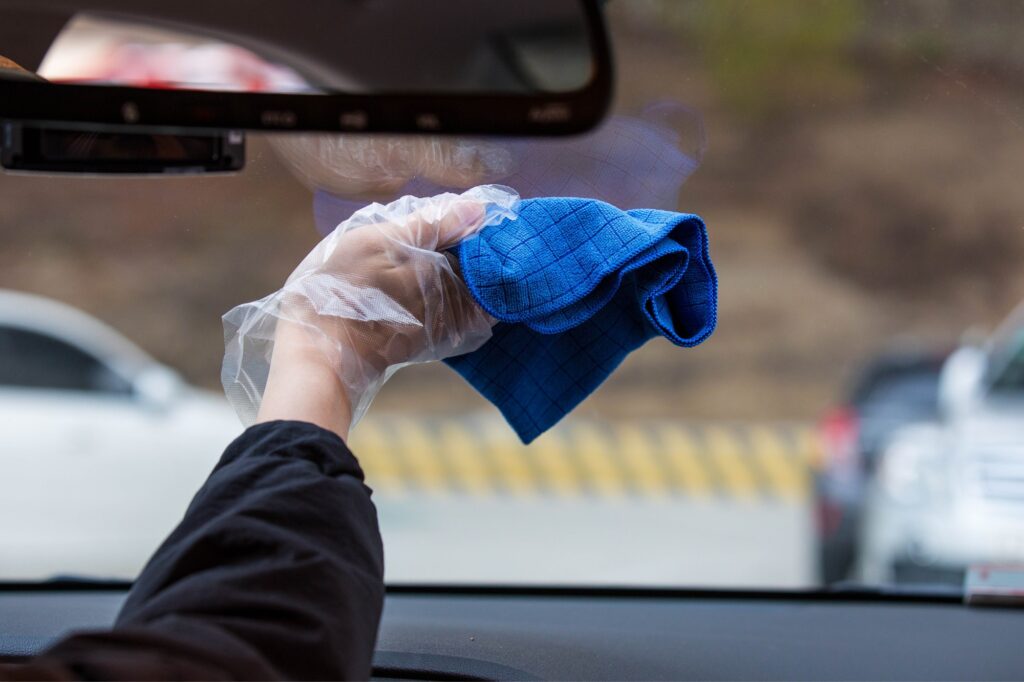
x=529, y=67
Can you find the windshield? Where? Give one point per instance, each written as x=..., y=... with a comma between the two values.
x=858, y=164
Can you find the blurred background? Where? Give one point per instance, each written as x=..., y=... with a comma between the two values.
x=859, y=171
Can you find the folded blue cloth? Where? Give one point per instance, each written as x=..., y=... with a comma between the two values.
x=577, y=284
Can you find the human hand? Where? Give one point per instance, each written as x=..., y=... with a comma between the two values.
x=375, y=295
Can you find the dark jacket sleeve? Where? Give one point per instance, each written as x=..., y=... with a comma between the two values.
x=276, y=571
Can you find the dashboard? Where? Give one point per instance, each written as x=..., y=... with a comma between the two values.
x=523, y=633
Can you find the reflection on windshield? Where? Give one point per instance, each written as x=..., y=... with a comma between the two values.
x=94, y=50
x=852, y=419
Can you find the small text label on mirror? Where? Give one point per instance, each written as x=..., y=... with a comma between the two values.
x=278, y=119
x=551, y=112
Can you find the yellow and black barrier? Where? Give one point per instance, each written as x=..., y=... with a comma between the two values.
x=482, y=456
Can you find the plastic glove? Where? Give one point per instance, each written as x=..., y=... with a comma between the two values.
x=375, y=295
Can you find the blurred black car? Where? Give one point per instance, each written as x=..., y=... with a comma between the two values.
x=896, y=388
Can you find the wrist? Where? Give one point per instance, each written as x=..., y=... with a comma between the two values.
x=303, y=385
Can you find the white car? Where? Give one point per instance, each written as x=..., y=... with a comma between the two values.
x=950, y=494
x=101, y=447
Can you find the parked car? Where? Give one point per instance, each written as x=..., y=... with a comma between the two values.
x=897, y=388
x=951, y=494
x=118, y=442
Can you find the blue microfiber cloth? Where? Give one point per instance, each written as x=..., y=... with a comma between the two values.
x=577, y=284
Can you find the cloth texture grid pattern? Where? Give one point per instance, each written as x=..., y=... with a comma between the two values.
x=576, y=285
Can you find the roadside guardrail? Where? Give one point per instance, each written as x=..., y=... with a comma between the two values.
x=480, y=455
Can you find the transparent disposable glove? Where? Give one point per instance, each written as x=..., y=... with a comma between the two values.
x=375, y=295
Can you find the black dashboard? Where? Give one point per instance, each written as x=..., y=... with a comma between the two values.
x=522, y=633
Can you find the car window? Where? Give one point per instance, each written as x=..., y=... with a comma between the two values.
x=858, y=164
x=907, y=391
x=1010, y=377
x=29, y=359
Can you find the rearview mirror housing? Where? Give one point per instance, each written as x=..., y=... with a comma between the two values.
x=530, y=67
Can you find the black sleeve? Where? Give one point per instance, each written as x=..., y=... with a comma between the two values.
x=276, y=571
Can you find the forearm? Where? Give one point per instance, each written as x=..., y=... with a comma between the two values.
x=275, y=571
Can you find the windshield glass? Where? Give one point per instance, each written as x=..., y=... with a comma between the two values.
x=858, y=164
